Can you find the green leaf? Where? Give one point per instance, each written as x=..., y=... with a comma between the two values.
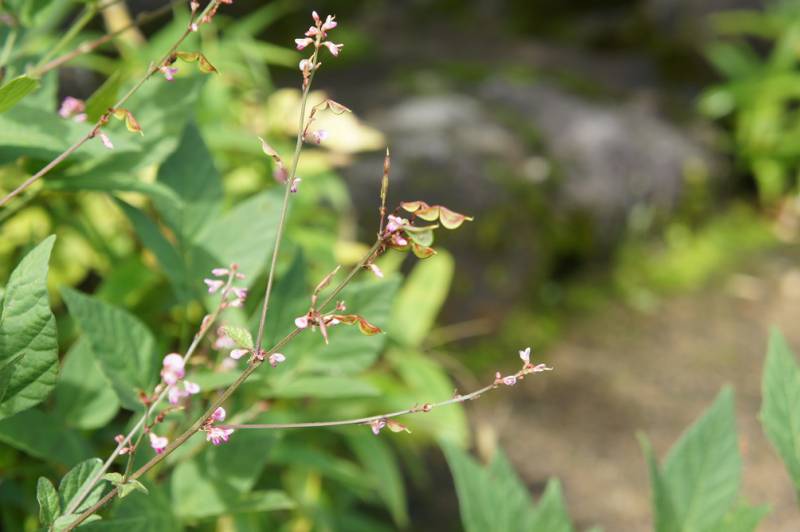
x=240, y=336
x=124, y=346
x=73, y=482
x=780, y=407
x=49, y=505
x=190, y=172
x=114, y=478
x=104, y=97
x=551, y=513
x=6, y=372
x=290, y=299
x=83, y=396
x=703, y=470
x=66, y=520
x=43, y=436
x=126, y=488
x=218, y=480
x=383, y=471
x=664, y=516
x=323, y=387
x=743, y=518
x=140, y=512
x=15, y=90
x=27, y=327
x=420, y=299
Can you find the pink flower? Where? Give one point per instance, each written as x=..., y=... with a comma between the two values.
x=302, y=43
x=332, y=47
x=80, y=117
x=175, y=393
x=394, y=223
x=525, y=355
x=511, y=380
x=236, y=354
x=220, y=272
x=217, y=435
x=191, y=387
x=399, y=240
x=318, y=136
x=312, y=32
x=158, y=443
x=301, y=322
x=315, y=16
x=173, y=368
x=329, y=24
x=295, y=185
x=240, y=293
x=106, y=141
x=169, y=72
x=193, y=26
x=213, y=285
x=538, y=368
x=377, y=271
x=376, y=425
x=275, y=359
x=223, y=341
x=219, y=414
x=71, y=107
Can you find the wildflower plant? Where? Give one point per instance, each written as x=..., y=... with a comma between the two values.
x=176, y=394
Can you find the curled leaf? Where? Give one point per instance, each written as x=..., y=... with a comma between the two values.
x=363, y=325
x=130, y=122
x=449, y=219
x=422, y=252
x=422, y=235
x=394, y=426
x=203, y=64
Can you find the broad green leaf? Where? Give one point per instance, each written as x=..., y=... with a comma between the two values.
x=299, y=454
x=743, y=518
x=703, y=470
x=323, y=387
x=171, y=261
x=190, y=172
x=383, y=471
x=219, y=480
x=27, y=327
x=6, y=372
x=420, y=299
x=664, y=516
x=84, y=398
x=63, y=522
x=49, y=504
x=123, y=345
x=103, y=98
x=72, y=483
x=126, y=488
x=780, y=407
x=15, y=90
x=349, y=351
x=140, y=512
x=43, y=436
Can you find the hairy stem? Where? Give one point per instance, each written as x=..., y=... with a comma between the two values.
x=92, y=132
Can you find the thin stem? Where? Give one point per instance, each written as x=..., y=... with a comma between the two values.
x=7, y=47
x=103, y=119
x=197, y=425
x=86, y=16
x=427, y=407
x=204, y=328
x=298, y=148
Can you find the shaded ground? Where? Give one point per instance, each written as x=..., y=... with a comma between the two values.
x=622, y=371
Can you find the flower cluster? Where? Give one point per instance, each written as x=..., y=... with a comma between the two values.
x=377, y=424
x=158, y=443
x=527, y=368
x=172, y=374
x=401, y=234
x=73, y=108
x=215, y=434
x=318, y=33
x=215, y=284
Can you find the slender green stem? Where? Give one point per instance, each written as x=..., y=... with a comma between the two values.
x=7, y=47
x=86, y=16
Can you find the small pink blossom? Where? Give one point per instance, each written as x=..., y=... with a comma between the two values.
x=219, y=414
x=71, y=107
x=394, y=223
x=106, y=141
x=312, y=32
x=538, y=368
x=158, y=443
x=80, y=117
x=399, y=240
x=175, y=393
x=119, y=438
x=315, y=16
x=318, y=136
x=301, y=322
x=525, y=355
x=213, y=285
x=173, y=368
x=333, y=48
x=169, y=72
x=511, y=380
x=220, y=272
x=223, y=341
x=376, y=425
x=191, y=387
x=302, y=43
x=377, y=271
x=275, y=359
x=295, y=184
x=217, y=435
x=329, y=23
x=240, y=293
x=236, y=354
x=193, y=26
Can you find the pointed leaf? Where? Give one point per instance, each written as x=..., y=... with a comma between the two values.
x=664, y=516
x=15, y=90
x=72, y=483
x=384, y=472
x=124, y=346
x=49, y=504
x=103, y=98
x=27, y=327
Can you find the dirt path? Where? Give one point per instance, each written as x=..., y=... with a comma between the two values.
x=624, y=371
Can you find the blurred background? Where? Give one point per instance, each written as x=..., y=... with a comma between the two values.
x=632, y=168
